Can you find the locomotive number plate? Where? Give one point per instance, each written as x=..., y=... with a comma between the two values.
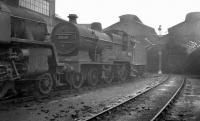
x=63, y=36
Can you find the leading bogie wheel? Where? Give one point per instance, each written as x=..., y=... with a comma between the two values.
x=44, y=84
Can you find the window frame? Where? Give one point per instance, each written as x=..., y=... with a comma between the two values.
x=39, y=6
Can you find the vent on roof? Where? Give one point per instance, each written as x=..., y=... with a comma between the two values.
x=129, y=18
x=96, y=26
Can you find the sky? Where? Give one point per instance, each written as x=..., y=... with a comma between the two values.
x=151, y=12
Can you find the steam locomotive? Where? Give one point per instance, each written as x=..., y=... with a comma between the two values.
x=74, y=55
x=93, y=54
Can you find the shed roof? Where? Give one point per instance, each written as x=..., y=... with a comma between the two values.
x=134, y=27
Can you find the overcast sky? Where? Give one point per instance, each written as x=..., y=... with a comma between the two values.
x=151, y=12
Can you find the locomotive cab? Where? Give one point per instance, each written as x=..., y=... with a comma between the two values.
x=24, y=53
x=74, y=42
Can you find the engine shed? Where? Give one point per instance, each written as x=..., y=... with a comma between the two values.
x=183, y=44
x=145, y=35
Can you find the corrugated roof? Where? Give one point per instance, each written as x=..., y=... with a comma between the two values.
x=187, y=27
x=187, y=33
x=184, y=31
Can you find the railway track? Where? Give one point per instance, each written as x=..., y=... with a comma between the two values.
x=147, y=106
x=54, y=94
x=186, y=107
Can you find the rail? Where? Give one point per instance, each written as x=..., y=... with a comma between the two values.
x=159, y=114
x=95, y=117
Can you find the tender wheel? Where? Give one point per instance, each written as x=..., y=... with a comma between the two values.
x=44, y=84
x=93, y=77
x=76, y=80
x=122, y=73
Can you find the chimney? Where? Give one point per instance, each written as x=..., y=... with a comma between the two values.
x=96, y=26
x=72, y=18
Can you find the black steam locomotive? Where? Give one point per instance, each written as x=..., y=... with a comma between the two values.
x=93, y=54
x=74, y=54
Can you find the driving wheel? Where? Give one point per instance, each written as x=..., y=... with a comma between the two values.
x=93, y=76
x=44, y=84
x=122, y=73
x=76, y=80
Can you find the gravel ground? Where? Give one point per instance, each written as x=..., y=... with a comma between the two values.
x=145, y=106
x=77, y=107
x=187, y=106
